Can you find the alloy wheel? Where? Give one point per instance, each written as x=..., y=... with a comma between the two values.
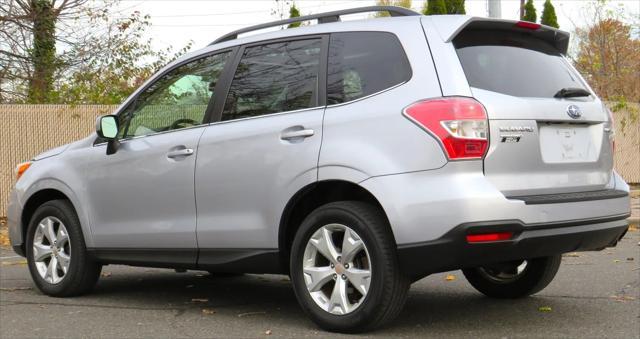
x=337, y=277
x=51, y=250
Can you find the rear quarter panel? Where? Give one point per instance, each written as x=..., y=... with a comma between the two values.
x=370, y=136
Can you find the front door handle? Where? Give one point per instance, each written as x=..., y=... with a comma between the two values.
x=303, y=133
x=184, y=152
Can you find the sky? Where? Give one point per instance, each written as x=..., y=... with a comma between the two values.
x=176, y=22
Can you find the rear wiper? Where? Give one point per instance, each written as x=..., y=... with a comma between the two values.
x=572, y=92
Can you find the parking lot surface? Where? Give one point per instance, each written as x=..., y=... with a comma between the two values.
x=595, y=294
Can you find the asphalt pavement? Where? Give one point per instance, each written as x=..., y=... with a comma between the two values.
x=595, y=294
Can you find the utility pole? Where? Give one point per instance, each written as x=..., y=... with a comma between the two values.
x=521, y=9
x=494, y=9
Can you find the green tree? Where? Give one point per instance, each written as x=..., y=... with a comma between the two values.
x=455, y=7
x=530, y=12
x=549, y=17
x=294, y=13
x=434, y=7
x=399, y=3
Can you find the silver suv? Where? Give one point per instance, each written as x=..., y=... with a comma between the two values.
x=356, y=156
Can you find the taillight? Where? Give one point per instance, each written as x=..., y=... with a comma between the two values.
x=460, y=124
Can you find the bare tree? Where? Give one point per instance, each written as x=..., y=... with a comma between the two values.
x=49, y=47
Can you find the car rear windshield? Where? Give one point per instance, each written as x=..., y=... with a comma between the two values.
x=514, y=63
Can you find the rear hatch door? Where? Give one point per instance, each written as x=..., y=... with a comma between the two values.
x=548, y=132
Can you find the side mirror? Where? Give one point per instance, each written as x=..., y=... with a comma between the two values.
x=107, y=128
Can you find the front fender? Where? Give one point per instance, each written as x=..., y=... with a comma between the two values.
x=25, y=190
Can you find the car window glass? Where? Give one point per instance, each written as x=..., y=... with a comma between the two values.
x=363, y=63
x=276, y=77
x=514, y=63
x=178, y=99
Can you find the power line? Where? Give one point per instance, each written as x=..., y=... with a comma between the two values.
x=226, y=13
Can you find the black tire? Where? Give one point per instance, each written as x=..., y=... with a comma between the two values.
x=83, y=273
x=538, y=273
x=388, y=287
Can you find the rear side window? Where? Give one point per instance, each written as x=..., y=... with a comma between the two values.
x=272, y=78
x=514, y=63
x=363, y=63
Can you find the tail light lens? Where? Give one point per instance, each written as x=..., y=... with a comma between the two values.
x=460, y=124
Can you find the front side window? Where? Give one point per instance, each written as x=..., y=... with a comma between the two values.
x=177, y=100
x=364, y=63
x=272, y=78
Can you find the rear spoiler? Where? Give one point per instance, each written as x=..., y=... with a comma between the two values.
x=449, y=26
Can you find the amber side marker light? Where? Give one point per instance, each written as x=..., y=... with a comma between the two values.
x=487, y=237
x=21, y=168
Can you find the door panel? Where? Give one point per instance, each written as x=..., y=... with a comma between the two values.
x=264, y=149
x=246, y=173
x=141, y=197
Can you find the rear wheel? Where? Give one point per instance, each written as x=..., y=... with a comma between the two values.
x=56, y=252
x=344, y=268
x=515, y=279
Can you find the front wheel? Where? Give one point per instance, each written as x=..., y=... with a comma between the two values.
x=56, y=252
x=344, y=268
x=515, y=279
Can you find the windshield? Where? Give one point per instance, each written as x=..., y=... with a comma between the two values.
x=514, y=63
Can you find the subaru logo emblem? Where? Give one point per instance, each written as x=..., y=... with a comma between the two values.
x=574, y=111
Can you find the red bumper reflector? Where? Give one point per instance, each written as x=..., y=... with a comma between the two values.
x=489, y=237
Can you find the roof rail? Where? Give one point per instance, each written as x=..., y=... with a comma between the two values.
x=322, y=18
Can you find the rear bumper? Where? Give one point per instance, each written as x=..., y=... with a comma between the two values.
x=452, y=251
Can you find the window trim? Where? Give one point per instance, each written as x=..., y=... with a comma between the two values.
x=206, y=120
x=227, y=77
x=404, y=53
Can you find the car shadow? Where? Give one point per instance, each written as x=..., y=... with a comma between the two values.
x=452, y=311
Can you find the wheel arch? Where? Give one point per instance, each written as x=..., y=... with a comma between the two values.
x=311, y=197
x=43, y=194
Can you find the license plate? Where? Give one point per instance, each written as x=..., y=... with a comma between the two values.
x=567, y=143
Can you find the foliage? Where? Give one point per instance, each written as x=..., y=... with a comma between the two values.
x=455, y=7
x=530, y=12
x=609, y=58
x=434, y=7
x=112, y=76
x=282, y=8
x=399, y=3
x=102, y=59
x=294, y=13
x=607, y=54
x=549, y=17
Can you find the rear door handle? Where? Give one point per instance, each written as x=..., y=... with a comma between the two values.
x=303, y=133
x=185, y=152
